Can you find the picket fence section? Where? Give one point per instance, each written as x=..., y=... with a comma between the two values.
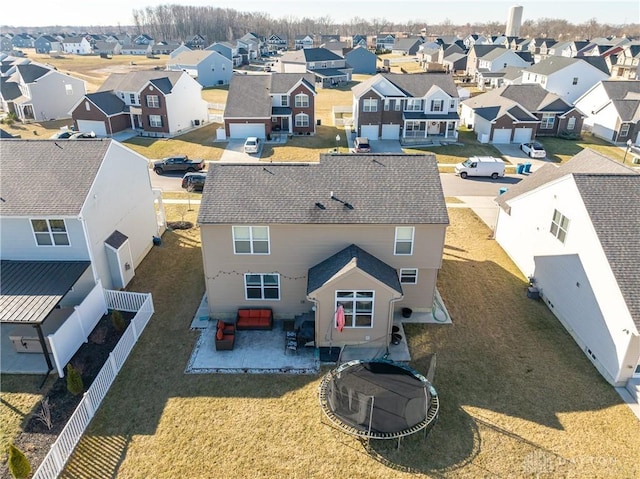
x=61, y=450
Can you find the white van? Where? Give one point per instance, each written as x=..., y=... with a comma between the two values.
x=481, y=166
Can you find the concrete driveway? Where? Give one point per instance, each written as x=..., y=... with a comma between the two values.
x=515, y=155
x=380, y=146
x=234, y=153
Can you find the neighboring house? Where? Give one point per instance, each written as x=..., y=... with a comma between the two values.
x=406, y=46
x=627, y=65
x=276, y=43
x=598, y=46
x=574, y=230
x=302, y=239
x=568, y=78
x=336, y=47
x=70, y=211
x=519, y=113
x=22, y=40
x=228, y=50
x=568, y=49
x=259, y=105
x=385, y=41
x=455, y=63
x=506, y=76
x=137, y=49
x=5, y=44
x=359, y=41
x=329, y=68
x=143, y=39
x=474, y=39
x=196, y=42
x=165, y=47
x=474, y=54
x=391, y=106
x=154, y=103
x=35, y=92
x=182, y=48
x=77, y=45
x=251, y=46
x=208, y=67
x=612, y=110
x=303, y=41
x=495, y=60
x=46, y=44
x=107, y=48
x=361, y=60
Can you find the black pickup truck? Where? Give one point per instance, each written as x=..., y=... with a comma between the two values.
x=177, y=163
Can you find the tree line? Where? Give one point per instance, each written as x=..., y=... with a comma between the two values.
x=181, y=22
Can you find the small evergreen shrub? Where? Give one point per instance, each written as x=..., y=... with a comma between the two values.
x=19, y=466
x=74, y=381
x=118, y=321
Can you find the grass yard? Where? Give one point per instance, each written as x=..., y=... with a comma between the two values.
x=519, y=399
x=451, y=154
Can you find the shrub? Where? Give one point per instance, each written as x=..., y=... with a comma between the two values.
x=19, y=466
x=74, y=380
x=118, y=321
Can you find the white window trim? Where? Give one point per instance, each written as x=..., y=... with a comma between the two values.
x=354, y=300
x=370, y=105
x=302, y=116
x=403, y=270
x=571, y=123
x=304, y=101
x=153, y=101
x=395, y=241
x=624, y=129
x=151, y=121
x=262, y=298
x=413, y=104
x=50, y=232
x=284, y=100
x=558, y=226
x=233, y=233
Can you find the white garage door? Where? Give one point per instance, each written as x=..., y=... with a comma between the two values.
x=390, y=132
x=98, y=127
x=501, y=136
x=244, y=130
x=369, y=131
x=522, y=135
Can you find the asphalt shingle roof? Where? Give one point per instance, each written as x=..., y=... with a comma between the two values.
x=107, y=101
x=60, y=174
x=192, y=57
x=554, y=64
x=414, y=86
x=327, y=269
x=382, y=189
x=31, y=72
x=135, y=81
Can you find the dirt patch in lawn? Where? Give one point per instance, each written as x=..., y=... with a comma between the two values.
x=36, y=438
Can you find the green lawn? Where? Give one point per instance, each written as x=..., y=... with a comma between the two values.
x=519, y=398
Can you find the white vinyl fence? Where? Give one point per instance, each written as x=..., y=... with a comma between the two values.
x=61, y=450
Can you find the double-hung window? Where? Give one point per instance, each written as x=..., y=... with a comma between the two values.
x=370, y=104
x=437, y=105
x=302, y=100
x=302, y=120
x=559, y=226
x=262, y=286
x=155, y=121
x=571, y=123
x=624, y=129
x=414, y=104
x=284, y=100
x=404, y=240
x=50, y=232
x=358, y=308
x=153, y=101
x=251, y=239
x=548, y=119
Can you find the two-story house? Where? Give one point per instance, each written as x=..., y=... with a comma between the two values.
x=393, y=106
x=22, y=40
x=519, y=113
x=573, y=229
x=277, y=43
x=196, y=42
x=47, y=44
x=35, y=92
x=329, y=68
x=612, y=110
x=361, y=60
x=568, y=78
x=499, y=59
x=307, y=238
x=385, y=42
x=627, y=65
x=261, y=105
x=303, y=41
x=78, y=45
x=154, y=103
x=208, y=67
x=228, y=50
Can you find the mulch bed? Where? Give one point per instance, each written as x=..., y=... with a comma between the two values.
x=36, y=438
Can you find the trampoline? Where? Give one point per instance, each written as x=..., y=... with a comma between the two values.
x=378, y=399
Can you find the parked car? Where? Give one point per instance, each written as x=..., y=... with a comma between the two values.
x=533, y=149
x=194, y=181
x=481, y=166
x=177, y=163
x=361, y=145
x=252, y=145
x=63, y=135
x=82, y=135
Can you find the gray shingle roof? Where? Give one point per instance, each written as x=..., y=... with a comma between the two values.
x=554, y=64
x=192, y=57
x=415, y=86
x=107, y=101
x=10, y=90
x=60, y=173
x=319, y=55
x=532, y=97
x=135, y=81
x=327, y=269
x=619, y=89
x=41, y=284
x=628, y=110
x=611, y=194
x=31, y=72
x=382, y=189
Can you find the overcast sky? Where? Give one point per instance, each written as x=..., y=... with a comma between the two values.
x=35, y=13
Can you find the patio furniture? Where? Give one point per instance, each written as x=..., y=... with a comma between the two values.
x=225, y=336
x=254, y=318
x=290, y=343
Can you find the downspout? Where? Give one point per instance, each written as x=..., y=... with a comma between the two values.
x=89, y=249
x=392, y=301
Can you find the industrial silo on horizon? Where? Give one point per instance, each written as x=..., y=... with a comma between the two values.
x=514, y=21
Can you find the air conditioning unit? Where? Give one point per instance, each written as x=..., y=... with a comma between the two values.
x=196, y=122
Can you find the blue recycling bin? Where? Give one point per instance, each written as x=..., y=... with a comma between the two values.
x=527, y=167
x=520, y=168
x=502, y=190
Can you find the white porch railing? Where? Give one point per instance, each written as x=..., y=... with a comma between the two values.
x=62, y=449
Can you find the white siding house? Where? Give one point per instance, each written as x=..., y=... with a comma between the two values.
x=575, y=230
